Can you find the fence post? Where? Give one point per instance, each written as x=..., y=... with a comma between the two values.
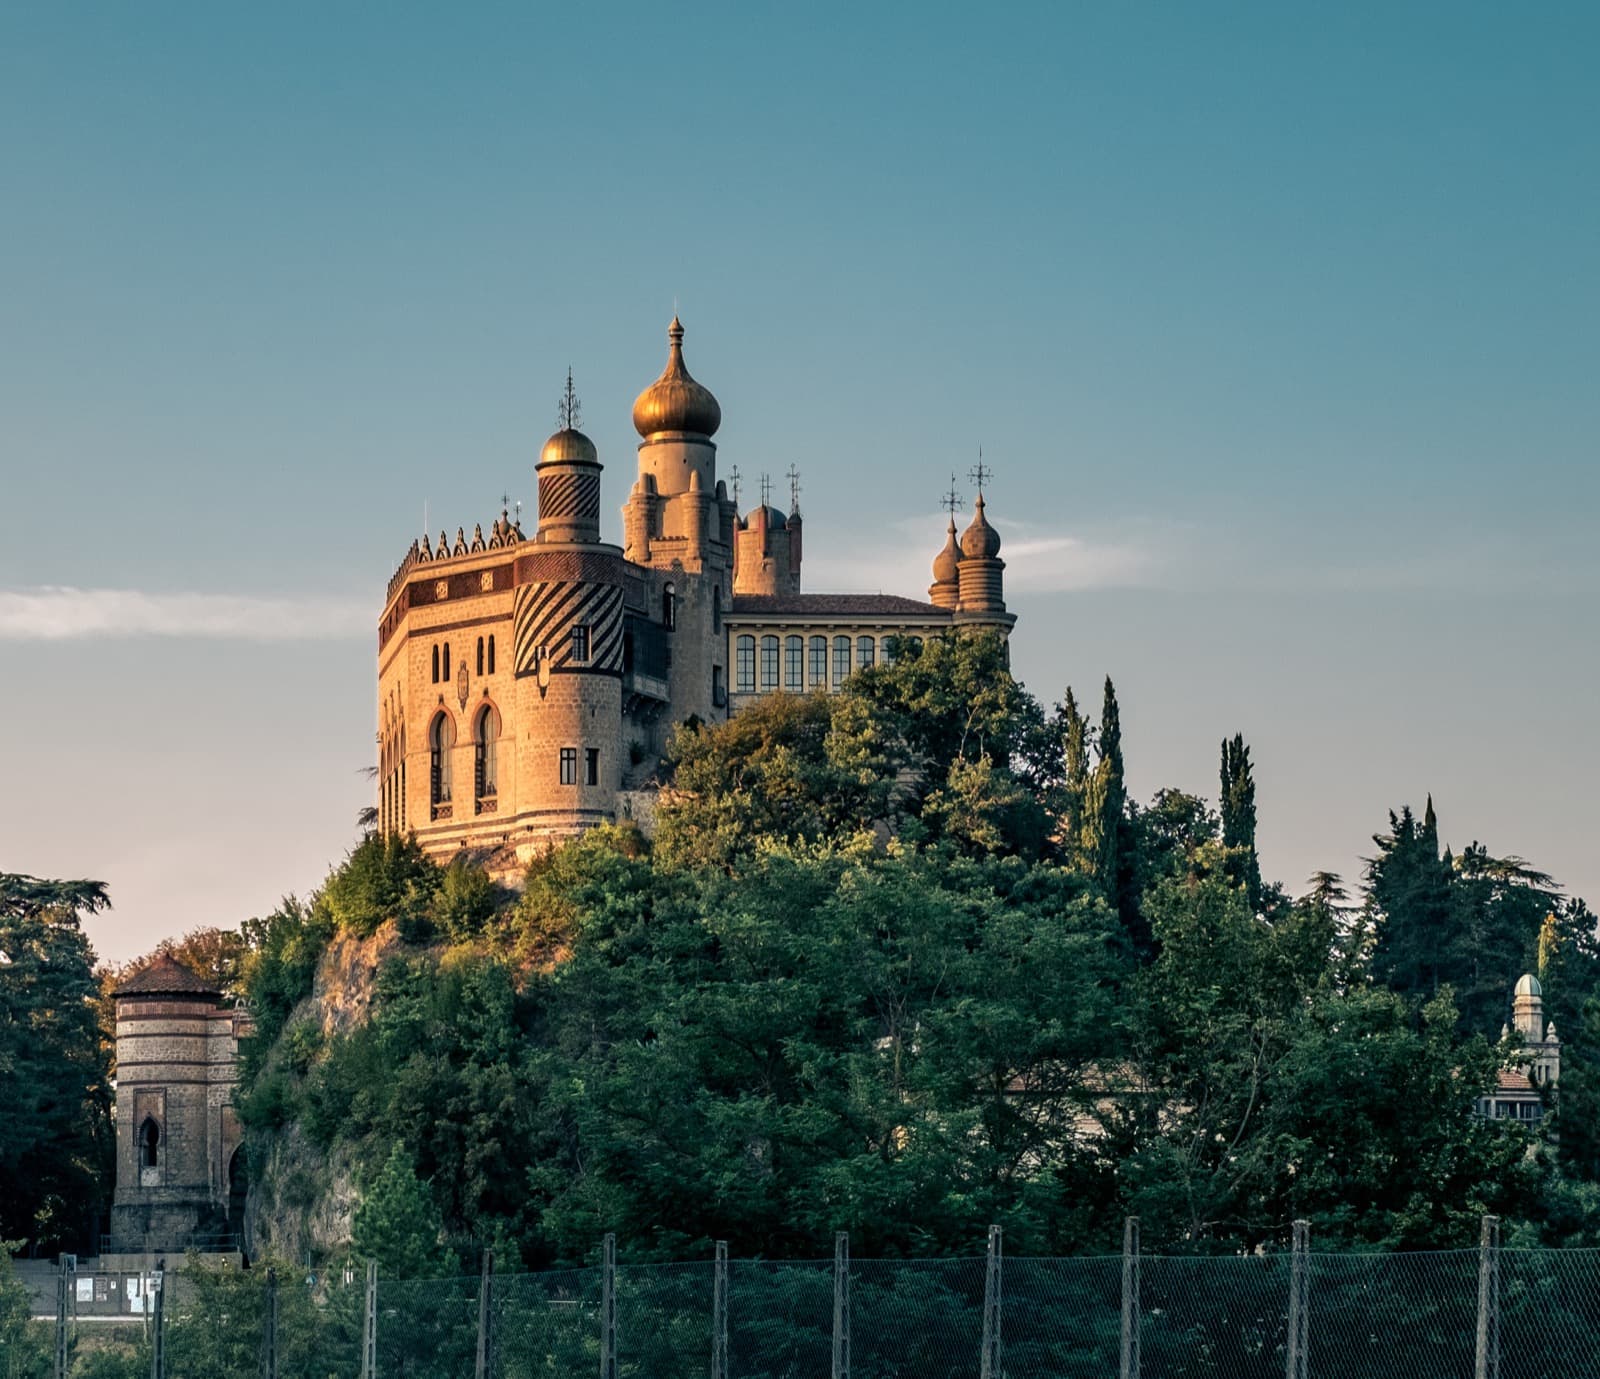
x=719, y=1313
x=1129, y=1368
x=369, y=1324
x=61, y=1317
x=485, y=1315
x=608, y=1307
x=158, y=1353
x=269, y=1329
x=989, y=1359
x=1295, y=1365
x=1487, y=1363
x=841, y=1305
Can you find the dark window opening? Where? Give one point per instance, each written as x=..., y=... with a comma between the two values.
x=480, y=655
x=446, y=676
x=669, y=608
x=150, y=1143
x=491, y=654
x=580, y=642
x=591, y=766
x=436, y=663
x=569, y=765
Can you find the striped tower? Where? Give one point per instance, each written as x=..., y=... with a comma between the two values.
x=567, y=646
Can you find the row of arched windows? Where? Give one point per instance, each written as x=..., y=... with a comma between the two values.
x=793, y=664
x=392, y=783
x=485, y=762
x=441, y=659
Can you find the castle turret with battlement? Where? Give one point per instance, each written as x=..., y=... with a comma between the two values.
x=527, y=685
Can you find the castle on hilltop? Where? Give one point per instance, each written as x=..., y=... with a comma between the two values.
x=527, y=684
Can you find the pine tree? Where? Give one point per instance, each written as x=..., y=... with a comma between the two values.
x=398, y=1223
x=1075, y=744
x=1238, y=804
x=1408, y=887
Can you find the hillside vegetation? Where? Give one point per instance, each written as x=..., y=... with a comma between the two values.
x=906, y=961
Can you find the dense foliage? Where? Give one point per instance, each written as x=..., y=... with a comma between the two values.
x=55, y=1100
x=907, y=960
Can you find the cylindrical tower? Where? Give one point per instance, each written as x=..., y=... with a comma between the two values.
x=765, y=554
x=175, y=1075
x=569, y=480
x=980, y=577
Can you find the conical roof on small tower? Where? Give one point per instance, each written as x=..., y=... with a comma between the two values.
x=945, y=590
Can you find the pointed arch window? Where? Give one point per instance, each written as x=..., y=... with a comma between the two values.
x=436, y=663
x=150, y=1143
x=669, y=607
x=446, y=676
x=480, y=655
x=441, y=740
x=485, y=742
x=491, y=653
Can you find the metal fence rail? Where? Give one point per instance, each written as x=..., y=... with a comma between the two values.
x=1489, y=1313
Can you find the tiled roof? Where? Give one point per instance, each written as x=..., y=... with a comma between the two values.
x=166, y=977
x=834, y=606
x=1508, y=1080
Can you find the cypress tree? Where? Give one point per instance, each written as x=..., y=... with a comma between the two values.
x=1238, y=802
x=1108, y=842
x=1075, y=742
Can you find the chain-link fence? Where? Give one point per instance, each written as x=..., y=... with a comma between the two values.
x=1489, y=1313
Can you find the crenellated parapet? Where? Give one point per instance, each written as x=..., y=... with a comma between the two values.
x=503, y=532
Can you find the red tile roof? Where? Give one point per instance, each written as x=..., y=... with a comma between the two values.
x=834, y=606
x=166, y=977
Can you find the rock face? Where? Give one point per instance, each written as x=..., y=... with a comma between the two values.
x=302, y=1200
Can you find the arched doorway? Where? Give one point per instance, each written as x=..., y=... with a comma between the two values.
x=238, y=1193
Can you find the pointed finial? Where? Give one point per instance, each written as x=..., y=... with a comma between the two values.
x=951, y=502
x=736, y=478
x=793, y=476
x=675, y=331
x=980, y=473
x=569, y=410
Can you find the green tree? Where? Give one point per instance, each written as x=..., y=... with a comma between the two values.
x=1107, y=846
x=1238, y=800
x=55, y=1133
x=399, y=1225
x=24, y=1343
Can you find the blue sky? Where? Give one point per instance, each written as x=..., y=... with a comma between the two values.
x=1278, y=325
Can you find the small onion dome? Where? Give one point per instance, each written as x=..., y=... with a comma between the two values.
x=776, y=521
x=947, y=564
x=675, y=402
x=1528, y=985
x=569, y=447
x=980, y=541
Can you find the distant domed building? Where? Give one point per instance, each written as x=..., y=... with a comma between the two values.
x=1522, y=1092
x=527, y=684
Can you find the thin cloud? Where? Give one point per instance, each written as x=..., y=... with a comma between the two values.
x=53, y=613
x=1039, y=559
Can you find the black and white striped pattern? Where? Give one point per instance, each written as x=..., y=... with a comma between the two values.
x=546, y=613
x=566, y=494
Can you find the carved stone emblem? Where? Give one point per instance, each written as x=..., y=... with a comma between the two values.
x=441, y=589
x=486, y=581
x=461, y=682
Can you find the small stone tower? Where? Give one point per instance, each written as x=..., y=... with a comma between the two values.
x=766, y=552
x=180, y=1171
x=1538, y=1038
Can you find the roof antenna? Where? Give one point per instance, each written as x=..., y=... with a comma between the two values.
x=793, y=476
x=951, y=502
x=980, y=472
x=736, y=477
x=569, y=411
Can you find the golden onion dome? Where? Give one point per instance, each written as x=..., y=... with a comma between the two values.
x=675, y=402
x=569, y=446
x=980, y=541
x=947, y=564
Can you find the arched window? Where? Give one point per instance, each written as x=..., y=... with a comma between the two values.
x=864, y=653
x=744, y=664
x=716, y=608
x=819, y=663
x=150, y=1143
x=669, y=607
x=446, y=676
x=491, y=653
x=441, y=739
x=769, y=663
x=485, y=738
x=889, y=649
x=402, y=779
x=436, y=663
x=841, y=660
x=480, y=655
x=794, y=663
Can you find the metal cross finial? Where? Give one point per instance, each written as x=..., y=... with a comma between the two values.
x=736, y=477
x=569, y=411
x=980, y=472
x=766, y=489
x=505, y=503
x=951, y=502
x=793, y=476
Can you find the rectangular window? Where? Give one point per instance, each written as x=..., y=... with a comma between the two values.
x=841, y=660
x=888, y=650
x=769, y=663
x=864, y=650
x=719, y=696
x=794, y=659
x=744, y=665
x=819, y=663
x=591, y=766
x=580, y=642
x=569, y=765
